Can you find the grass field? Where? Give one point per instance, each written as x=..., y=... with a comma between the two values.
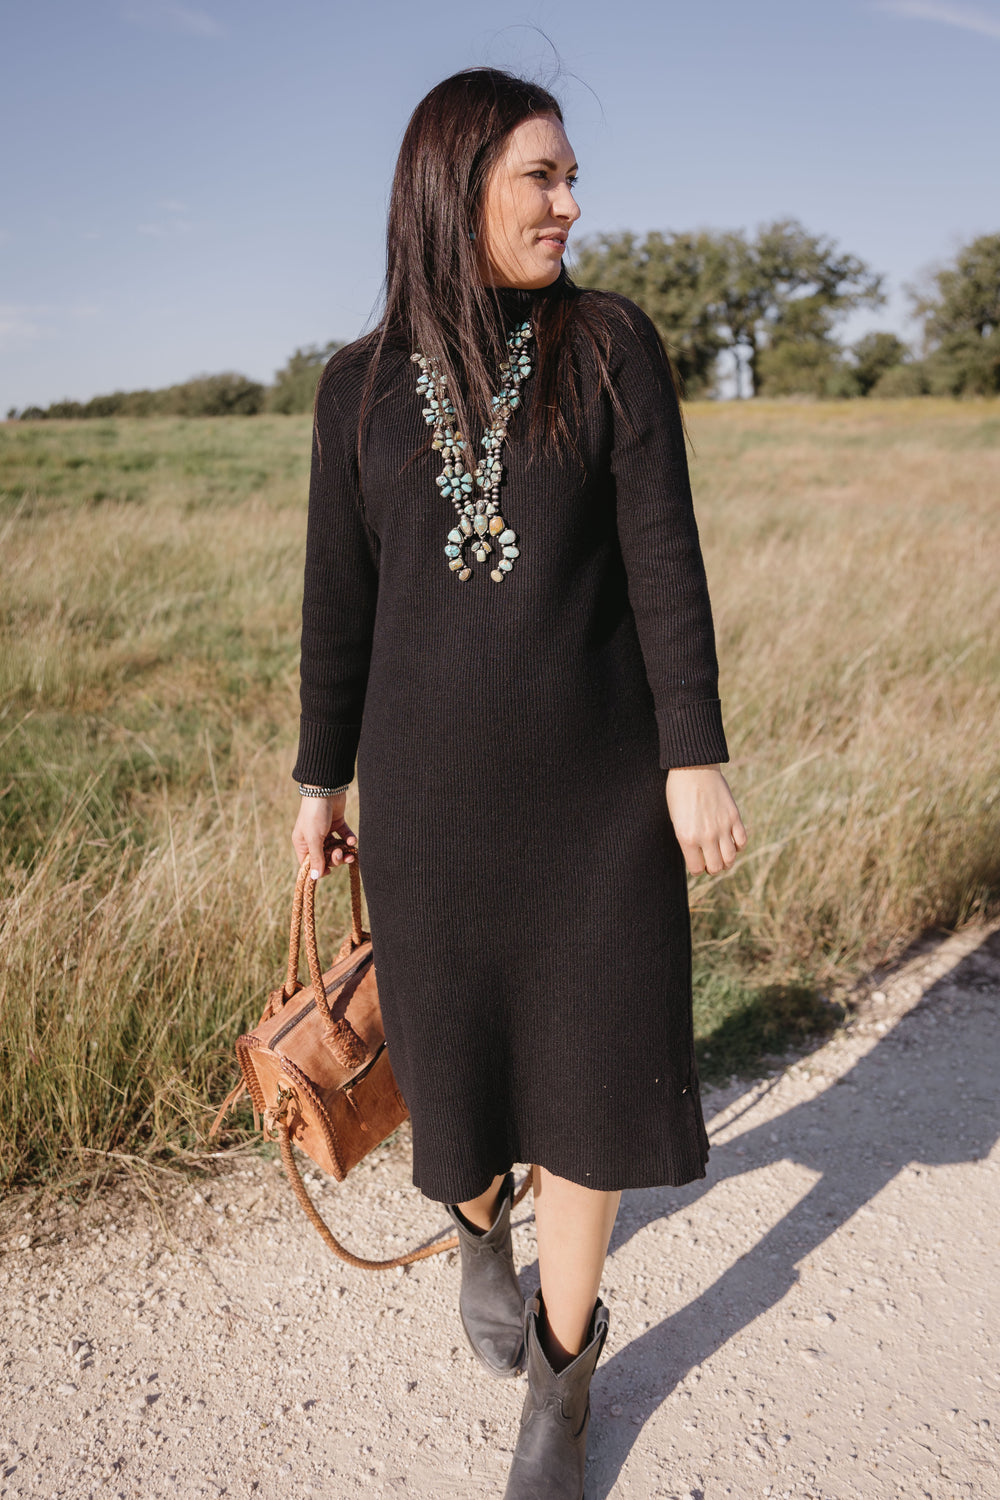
x=148, y=707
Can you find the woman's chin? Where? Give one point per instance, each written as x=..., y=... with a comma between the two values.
x=545, y=275
x=530, y=278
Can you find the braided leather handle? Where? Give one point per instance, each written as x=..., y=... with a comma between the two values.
x=302, y=883
x=340, y=1036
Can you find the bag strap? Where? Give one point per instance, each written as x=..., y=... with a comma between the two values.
x=329, y=1239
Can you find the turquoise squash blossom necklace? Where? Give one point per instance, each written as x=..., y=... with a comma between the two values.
x=480, y=524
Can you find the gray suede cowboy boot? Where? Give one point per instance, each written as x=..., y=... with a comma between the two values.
x=490, y=1301
x=551, y=1449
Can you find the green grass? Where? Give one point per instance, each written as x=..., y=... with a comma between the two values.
x=151, y=575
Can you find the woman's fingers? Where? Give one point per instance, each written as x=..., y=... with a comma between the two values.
x=694, y=858
x=344, y=831
x=728, y=848
x=713, y=856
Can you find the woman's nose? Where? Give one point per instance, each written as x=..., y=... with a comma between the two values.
x=564, y=205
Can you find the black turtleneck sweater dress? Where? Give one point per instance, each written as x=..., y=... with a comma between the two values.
x=526, y=892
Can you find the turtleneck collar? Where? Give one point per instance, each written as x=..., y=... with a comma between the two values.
x=518, y=303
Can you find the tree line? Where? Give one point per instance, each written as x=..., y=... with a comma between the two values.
x=226, y=395
x=773, y=301
x=768, y=305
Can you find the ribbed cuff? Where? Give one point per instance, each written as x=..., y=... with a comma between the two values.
x=692, y=734
x=327, y=753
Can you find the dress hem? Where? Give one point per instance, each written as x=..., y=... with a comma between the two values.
x=465, y=1192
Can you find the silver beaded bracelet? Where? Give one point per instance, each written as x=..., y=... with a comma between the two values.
x=323, y=791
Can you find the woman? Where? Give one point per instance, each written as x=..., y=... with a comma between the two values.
x=513, y=633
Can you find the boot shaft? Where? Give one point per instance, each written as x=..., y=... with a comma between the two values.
x=551, y=1453
x=569, y=1387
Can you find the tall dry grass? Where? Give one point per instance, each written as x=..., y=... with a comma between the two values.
x=853, y=557
x=147, y=722
x=150, y=586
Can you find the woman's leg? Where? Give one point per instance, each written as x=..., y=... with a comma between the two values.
x=481, y=1211
x=573, y=1225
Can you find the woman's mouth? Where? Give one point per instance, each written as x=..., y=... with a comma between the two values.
x=553, y=241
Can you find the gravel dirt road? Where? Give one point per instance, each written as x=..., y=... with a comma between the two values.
x=818, y=1318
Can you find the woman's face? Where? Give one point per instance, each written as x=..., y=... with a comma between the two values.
x=529, y=209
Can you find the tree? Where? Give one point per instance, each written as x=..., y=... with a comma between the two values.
x=675, y=280
x=226, y=395
x=294, y=388
x=790, y=287
x=961, y=317
x=773, y=300
x=875, y=354
x=903, y=380
x=801, y=357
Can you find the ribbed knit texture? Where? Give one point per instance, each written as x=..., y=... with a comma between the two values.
x=527, y=894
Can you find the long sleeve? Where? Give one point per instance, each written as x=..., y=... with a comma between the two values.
x=658, y=535
x=338, y=605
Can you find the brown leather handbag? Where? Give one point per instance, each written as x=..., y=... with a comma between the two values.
x=316, y=1065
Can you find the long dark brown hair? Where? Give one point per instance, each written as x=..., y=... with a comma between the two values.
x=435, y=297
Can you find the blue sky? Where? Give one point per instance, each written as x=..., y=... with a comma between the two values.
x=202, y=186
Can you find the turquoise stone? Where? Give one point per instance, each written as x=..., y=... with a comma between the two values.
x=480, y=523
x=452, y=551
x=507, y=536
x=480, y=555
x=456, y=562
x=497, y=576
x=511, y=552
x=454, y=535
x=465, y=573
x=505, y=564
x=466, y=525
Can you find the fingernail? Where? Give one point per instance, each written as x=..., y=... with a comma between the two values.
x=314, y=874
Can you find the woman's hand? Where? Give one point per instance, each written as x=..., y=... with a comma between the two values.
x=706, y=820
x=318, y=818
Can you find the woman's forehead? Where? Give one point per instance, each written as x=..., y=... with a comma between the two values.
x=541, y=136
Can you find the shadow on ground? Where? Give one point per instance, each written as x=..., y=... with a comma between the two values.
x=925, y=1120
